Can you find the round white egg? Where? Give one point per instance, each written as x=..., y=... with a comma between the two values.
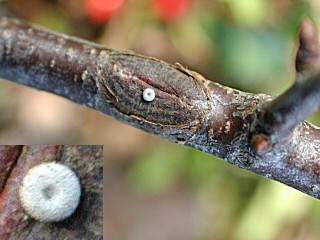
x=148, y=94
x=50, y=192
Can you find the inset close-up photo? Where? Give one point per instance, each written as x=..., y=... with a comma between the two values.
x=51, y=192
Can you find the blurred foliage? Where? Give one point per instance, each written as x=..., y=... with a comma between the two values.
x=52, y=18
x=262, y=53
x=246, y=44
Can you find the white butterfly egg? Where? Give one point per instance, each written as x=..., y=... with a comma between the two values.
x=148, y=94
x=50, y=192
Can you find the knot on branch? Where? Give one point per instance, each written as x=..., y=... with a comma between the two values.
x=260, y=144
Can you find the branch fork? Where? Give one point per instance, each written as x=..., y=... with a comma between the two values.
x=278, y=118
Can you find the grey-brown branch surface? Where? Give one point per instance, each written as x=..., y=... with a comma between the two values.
x=188, y=109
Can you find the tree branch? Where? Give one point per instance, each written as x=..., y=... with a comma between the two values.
x=187, y=109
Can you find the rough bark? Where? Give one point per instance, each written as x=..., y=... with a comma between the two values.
x=85, y=223
x=188, y=109
x=8, y=157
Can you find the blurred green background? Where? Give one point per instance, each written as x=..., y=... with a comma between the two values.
x=155, y=189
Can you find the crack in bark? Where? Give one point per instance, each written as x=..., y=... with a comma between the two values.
x=12, y=166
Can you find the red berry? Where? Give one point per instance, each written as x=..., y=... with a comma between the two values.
x=101, y=11
x=169, y=10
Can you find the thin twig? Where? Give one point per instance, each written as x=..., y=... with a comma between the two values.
x=279, y=117
x=308, y=54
